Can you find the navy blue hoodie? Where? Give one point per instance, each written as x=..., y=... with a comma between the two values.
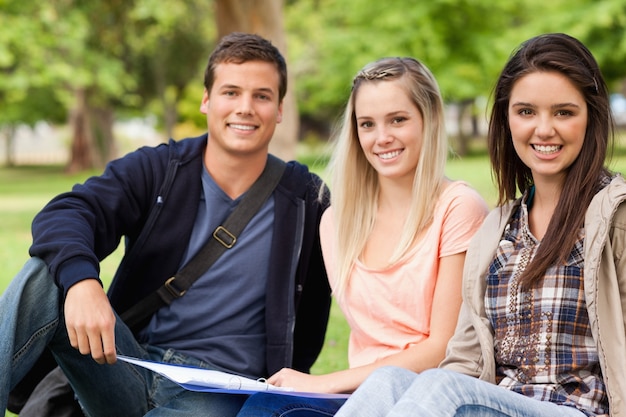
x=150, y=199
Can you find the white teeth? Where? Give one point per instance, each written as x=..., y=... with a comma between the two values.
x=389, y=155
x=242, y=127
x=547, y=149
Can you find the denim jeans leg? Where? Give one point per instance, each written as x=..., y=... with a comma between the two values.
x=29, y=312
x=439, y=392
x=30, y=309
x=200, y=404
x=443, y=393
x=284, y=405
x=120, y=389
x=170, y=399
x=378, y=394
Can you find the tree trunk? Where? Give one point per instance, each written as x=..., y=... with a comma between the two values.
x=265, y=18
x=104, y=139
x=462, y=137
x=170, y=112
x=81, y=156
x=167, y=97
x=93, y=140
x=9, y=131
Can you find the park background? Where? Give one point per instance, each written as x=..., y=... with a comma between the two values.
x=85, y=81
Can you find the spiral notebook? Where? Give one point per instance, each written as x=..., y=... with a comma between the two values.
x=207, y=380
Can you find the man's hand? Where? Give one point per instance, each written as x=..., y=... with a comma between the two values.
x=90, y=321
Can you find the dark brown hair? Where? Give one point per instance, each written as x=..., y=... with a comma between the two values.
x=238, y=48
x=569, y=57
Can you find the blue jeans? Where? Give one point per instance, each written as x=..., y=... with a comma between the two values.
x=31, y=320
x=395, y=392
x=276, y=405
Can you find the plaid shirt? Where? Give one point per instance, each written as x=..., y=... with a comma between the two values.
x=543, y=343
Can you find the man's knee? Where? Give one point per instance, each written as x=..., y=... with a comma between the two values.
x=36, y=283
x=35, y=269
x=32, y=296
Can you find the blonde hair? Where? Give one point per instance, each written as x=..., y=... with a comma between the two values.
x=354, y=182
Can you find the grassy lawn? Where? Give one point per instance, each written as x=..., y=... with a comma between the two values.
x=25, y=190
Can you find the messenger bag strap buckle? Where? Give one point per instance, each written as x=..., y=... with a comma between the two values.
x=223, y=236
x=169, y=284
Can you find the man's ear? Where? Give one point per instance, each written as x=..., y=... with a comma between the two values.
x=204, y=105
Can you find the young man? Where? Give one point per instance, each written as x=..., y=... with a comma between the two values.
x=261, y=306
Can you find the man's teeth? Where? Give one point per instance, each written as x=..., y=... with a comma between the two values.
x=547, y=149
x=389, y=155
x=241, y=127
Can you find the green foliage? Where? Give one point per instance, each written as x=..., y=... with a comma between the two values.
x=147, y=56
x=122, y=53
x=464, y=42
x=173, y=44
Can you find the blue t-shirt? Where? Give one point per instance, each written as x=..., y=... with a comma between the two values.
x=221, y=319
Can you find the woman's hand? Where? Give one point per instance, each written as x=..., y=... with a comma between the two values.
x=299, y=381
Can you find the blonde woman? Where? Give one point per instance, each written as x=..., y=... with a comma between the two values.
x=394, y=238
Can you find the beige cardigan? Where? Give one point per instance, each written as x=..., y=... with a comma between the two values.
x=470, y=350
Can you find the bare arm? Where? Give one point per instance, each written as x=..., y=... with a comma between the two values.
x=424, y=355
x=90, y=321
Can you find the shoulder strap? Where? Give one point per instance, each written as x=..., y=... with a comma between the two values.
x=224, y=238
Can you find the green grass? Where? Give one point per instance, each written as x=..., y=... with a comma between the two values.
x=25, y=190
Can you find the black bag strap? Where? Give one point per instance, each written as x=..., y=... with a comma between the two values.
x=224, y=238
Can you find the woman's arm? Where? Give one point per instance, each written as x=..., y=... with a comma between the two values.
x=424, y=355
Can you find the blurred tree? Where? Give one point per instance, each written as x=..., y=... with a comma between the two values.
x=157, y=49
x=172, y=45
x=599, y=24
x=464, y=42
x=453, y=38
x=97, y=59
x=26, y=107
x=101, y=57
x=24, y=51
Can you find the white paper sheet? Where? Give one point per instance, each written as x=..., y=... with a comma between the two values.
x=206, y=380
